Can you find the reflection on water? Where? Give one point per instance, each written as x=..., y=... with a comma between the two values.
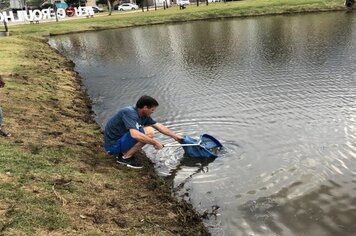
x=279, y=93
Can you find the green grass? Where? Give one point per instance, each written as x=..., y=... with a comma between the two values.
x=173, y=14
x=26, y=188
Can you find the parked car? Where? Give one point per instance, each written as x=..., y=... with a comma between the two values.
x=183, y=2
x=127, y=7
x=97, y=9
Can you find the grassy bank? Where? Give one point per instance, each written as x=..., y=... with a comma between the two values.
x=55, y=178
x=173, y=14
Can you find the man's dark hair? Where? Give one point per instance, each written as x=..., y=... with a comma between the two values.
x=146, y=101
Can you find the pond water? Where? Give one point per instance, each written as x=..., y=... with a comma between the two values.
x=278, y=91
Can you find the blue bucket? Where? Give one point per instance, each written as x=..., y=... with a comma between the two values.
x=208, y=145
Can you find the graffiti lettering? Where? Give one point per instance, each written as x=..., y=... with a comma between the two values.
x=45, y=14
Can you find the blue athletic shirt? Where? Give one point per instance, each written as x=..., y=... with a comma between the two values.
x=125, y=119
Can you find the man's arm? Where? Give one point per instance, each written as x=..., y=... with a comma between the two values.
x=142, y=138
x=164, y=130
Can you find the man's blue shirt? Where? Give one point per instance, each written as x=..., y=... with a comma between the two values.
x=125, y=119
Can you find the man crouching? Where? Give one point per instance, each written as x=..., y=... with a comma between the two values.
x=131, y=128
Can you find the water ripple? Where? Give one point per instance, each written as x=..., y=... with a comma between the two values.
x=278, y=92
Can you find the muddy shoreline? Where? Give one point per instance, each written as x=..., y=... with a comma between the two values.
x=55, y=177
x=188, y=220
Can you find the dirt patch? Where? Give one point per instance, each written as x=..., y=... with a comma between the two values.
x=6, y=177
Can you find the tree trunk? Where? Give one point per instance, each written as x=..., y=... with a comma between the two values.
x=5, y=25
x=109, y=7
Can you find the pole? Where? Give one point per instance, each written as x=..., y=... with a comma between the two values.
x=183, y=145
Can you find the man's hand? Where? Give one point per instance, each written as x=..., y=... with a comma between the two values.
x=158, y=145
x=178, y=138
x=164, y=130
x=141, y=137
